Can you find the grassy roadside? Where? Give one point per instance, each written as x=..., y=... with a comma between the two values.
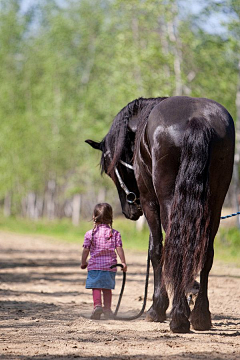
x=64, y=231
x=227, y=245
x=227, y=242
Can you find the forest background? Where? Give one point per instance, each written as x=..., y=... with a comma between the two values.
x=68, y=67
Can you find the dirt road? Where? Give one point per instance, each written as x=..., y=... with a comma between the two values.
x=45, y=310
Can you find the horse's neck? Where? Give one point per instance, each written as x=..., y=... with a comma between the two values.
x=143, y=111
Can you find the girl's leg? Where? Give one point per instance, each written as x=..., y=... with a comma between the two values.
x=97, y=298
x=97, y=302
x=107, y=298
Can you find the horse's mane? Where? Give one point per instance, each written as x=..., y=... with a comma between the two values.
x=116, y=139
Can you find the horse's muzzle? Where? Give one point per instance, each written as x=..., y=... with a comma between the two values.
x=133, y=213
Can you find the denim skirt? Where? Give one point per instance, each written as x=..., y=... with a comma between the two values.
x=100, y=279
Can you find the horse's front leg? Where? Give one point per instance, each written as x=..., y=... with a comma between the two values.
x=157, y=311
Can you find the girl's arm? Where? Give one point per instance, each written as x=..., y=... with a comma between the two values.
x=122, y=257
x=85, y=253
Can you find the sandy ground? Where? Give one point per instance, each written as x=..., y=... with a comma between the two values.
x=45, y=310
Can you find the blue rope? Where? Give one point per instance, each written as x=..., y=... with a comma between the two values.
x=228, y=216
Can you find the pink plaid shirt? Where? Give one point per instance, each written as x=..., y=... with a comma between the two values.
x=102, y=249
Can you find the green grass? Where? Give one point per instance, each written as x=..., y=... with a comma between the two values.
x=227, y=245
x=63, y=230
x=227, y=242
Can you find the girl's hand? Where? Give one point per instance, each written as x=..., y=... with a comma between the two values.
x=84, y=262
x=124, y=269
x=84, y=265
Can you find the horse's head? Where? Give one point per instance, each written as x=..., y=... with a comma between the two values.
x=122, y=173
x=117, y=152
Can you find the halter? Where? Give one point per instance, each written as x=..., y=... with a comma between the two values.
x=131, y=197
x=127, y=165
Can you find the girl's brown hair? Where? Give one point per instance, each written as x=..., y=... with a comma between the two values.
x=103, y=214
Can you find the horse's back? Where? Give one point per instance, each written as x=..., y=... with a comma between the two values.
x=170, y=120
x=178, y=120
x=180, y=109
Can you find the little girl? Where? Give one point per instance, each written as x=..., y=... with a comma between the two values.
x=101, y=242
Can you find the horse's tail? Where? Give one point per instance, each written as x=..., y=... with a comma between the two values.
x=187, y=235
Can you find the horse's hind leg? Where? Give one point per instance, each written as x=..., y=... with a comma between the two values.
x=201, y=316
x=180, y=314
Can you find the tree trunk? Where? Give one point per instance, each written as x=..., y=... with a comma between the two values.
x=38, y=207
x=31, y=199
x=24, y=207
x=162, y=30
x=101, y=195
x=237, y=152
x=136, y=69
x=7, y=205
x=49, y=205
x=76, y=207
x=172, y=28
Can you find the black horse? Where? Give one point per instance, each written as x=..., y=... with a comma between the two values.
x=172, y=159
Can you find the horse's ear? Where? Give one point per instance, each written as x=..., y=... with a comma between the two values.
x=94, y=144
x=133, y=123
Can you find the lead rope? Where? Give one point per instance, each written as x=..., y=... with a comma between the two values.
x=228, y=216
x=146, y=283
x=122, y=289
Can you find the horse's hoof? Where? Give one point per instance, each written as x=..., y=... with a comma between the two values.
x=183, y=327
x=149, y=318
x=201, y=323
x=152, y=316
